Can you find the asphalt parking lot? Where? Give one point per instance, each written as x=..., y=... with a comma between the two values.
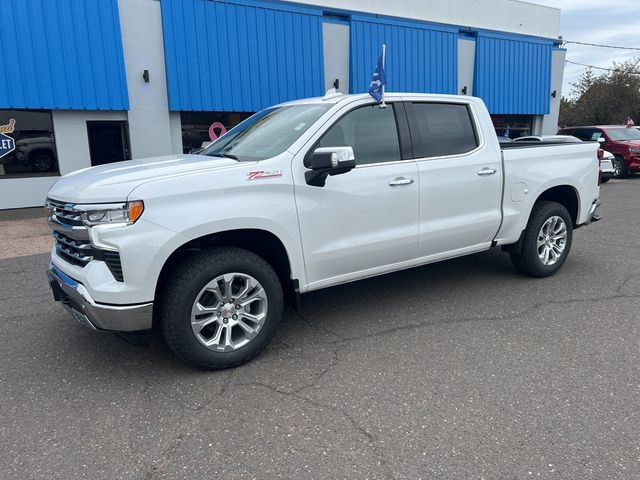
x=462, y=369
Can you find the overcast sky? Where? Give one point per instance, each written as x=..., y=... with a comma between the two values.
x=611, y=22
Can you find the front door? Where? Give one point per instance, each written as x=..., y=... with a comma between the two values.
x=365, y=221
x=108, y=142
x=460, y=180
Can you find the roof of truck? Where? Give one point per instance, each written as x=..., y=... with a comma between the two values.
x=333, y=97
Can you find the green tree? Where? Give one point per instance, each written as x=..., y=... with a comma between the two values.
x=608, y=98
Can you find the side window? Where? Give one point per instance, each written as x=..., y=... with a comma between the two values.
x=587, y=134
x=371, y=131
x=444, y=129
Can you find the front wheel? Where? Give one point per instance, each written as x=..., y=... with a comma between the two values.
x=221, y=307
x=546, y=242
x=619, y=170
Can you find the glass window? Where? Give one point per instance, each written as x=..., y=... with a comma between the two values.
x=623, y=133
x=27, y=143
x=585, y=134
x=199, y=129
x=267, y=133
x=371, y=132
x=444, y=129
x=515, y=125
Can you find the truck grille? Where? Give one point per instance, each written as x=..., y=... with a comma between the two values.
x=112, y=259
x=73, y=251
x=72, y=239
x=64, y=213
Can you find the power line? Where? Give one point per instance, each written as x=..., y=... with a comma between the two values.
x=599, y=68
x=602, y=45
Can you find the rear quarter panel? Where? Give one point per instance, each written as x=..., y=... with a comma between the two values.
x=529, y=172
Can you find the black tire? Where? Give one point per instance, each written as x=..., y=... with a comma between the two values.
x=605, y=179
x=620, y=170
x=527, y=260
x=180, y=292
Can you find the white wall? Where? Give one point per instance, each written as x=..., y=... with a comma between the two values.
x=550, y=122
x=503, y=15
x=142, y=40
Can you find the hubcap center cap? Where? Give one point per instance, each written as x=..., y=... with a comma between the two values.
x=228, y=309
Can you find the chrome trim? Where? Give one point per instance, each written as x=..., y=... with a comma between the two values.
x=400, y=181
x=74, y=243
x=483, y=172
x=86, y=207
x=592, y=215
x=114, y=318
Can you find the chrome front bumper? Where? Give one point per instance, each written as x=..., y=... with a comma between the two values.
x=97, y=316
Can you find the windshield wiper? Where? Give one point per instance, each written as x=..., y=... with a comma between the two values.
x=227, y=155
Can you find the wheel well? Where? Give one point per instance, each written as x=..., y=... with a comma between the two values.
x=564, y=195
x=262, y=243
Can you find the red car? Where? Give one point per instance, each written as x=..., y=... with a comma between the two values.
x=622, y=141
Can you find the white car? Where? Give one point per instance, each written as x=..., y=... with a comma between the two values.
x=607, y=167
x=302, y=196
x=548, y=138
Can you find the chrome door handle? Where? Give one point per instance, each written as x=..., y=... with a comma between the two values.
x=486, y=171
x=400, y=181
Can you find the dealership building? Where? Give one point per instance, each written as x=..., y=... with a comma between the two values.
x=88, y=82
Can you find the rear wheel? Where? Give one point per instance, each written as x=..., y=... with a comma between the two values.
x=546, y=242
x=605, y=179
x=221, y=308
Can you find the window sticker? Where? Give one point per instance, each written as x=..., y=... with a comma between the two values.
x=7, y=144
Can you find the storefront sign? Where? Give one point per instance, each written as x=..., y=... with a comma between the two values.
x=212, y=131
x=8, y=128
x=7, y=145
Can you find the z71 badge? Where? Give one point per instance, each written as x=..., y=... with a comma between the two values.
x=260, y=174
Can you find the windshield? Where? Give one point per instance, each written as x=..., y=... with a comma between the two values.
x=623, y=133
x=267, y=133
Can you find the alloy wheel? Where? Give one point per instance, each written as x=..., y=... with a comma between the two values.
x=229, y=312
x=552, y=240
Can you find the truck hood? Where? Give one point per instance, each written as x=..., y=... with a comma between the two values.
x=113, y=182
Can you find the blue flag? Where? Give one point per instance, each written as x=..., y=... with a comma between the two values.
x=376, y=88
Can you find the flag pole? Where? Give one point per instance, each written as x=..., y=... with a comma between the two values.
x=384, y=54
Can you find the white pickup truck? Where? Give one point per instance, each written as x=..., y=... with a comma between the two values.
x=301, y=196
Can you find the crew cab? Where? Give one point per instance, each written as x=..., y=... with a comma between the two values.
x=301, y=196
x=621, y=140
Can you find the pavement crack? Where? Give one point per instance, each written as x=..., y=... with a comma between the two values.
x=515, y=316
x=370, y=440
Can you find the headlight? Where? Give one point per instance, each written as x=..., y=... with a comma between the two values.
x=634, y=149
x=126, y=214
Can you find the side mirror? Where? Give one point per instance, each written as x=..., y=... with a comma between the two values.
x=325, y=161
x=601, y=140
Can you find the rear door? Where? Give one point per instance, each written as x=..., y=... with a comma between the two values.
x=460, y=179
